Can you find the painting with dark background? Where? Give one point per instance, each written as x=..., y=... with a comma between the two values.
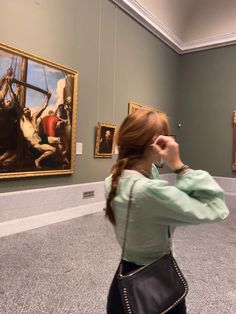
x=234, y=142
x=105, y=140
x=37, y=115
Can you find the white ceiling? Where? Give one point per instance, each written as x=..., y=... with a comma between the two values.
x=186, y=25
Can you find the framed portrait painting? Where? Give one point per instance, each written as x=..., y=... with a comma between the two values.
x=104, y=147
x=38, y=101
x=234, y=142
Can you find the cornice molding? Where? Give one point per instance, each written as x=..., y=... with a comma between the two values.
x=209, y=43
x=140, y=14
x=144, y=17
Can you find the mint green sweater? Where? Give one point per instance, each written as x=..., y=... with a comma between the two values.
x=195, y=198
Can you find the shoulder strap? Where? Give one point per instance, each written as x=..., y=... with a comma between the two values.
x=169, y=239
x=127, y=222
x=127, y=218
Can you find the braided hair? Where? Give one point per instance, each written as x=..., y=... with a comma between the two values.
x=133, y=137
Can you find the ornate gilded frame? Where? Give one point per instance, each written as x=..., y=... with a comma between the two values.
x=104, y=146
x=133, y=106
x=25, y=80
x=234, y=142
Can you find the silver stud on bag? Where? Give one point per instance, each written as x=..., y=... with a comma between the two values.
x=127, y=301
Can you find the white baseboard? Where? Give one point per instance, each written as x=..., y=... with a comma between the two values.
x=37, y=221
x=26, y=210
x=21, y=204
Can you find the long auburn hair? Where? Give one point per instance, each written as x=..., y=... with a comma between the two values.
x=133, y=137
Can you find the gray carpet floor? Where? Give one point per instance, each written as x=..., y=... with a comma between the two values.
x=66, y=268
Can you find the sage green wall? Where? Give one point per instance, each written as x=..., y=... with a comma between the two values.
x=206, y=104
x=117, y=59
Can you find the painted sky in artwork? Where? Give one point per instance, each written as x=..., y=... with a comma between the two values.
x=42, y=76
x=46, y=78
x=5, y=61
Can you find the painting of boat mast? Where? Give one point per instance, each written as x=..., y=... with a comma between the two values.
x=38, y=102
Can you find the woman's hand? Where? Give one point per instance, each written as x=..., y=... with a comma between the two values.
x=166, y=148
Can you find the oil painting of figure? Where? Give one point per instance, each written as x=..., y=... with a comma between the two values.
x=105, y=140
x=36, y=116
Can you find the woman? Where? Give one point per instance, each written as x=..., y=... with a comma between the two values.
x=143, y=139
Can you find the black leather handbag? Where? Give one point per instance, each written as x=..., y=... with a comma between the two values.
x=151, y=289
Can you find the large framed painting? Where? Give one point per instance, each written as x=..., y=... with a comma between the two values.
x=104, y=147
x=234, y=142
x=38, y=101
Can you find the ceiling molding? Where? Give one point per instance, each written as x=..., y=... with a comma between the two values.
x=144, y=17
x=209, y=43
x=135, y=10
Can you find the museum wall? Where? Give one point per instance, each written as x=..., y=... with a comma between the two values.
x=117, y=59
x=207, y=102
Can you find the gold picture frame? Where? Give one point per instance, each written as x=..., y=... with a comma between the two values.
x=133, y=106
x=234, y=142
x=104, y=146
x=38, y=103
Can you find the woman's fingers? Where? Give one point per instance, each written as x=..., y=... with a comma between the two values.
x=167, y=148
x=162, y=142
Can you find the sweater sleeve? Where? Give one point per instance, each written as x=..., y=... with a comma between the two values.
x=196, y=198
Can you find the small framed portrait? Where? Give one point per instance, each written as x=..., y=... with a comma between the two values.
x=104, y=147
x=234, y=142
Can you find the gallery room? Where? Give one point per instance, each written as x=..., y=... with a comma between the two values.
x=70, y=73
